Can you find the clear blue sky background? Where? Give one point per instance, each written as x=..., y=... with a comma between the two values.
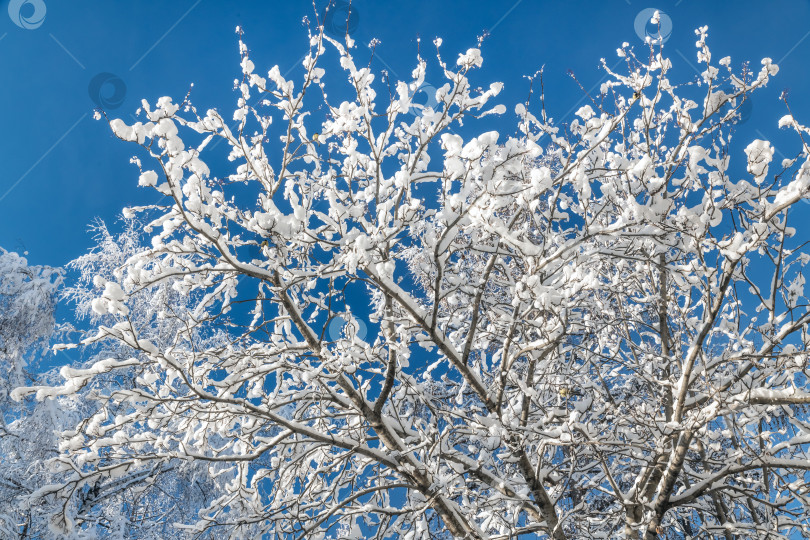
x=60, y=168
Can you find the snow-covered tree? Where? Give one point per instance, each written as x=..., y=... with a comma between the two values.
x=589, y=330
x=146, y=500
x=28, y=297
x=27, y=305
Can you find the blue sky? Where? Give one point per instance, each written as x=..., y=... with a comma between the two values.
x=60, y=168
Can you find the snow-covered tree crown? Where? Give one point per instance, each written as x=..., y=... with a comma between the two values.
x=27, y=323
x=579, y=331
x=27, y=303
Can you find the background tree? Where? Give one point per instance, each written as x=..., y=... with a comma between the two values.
x=144, y=503
x=579, y=331
x=27, y=438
